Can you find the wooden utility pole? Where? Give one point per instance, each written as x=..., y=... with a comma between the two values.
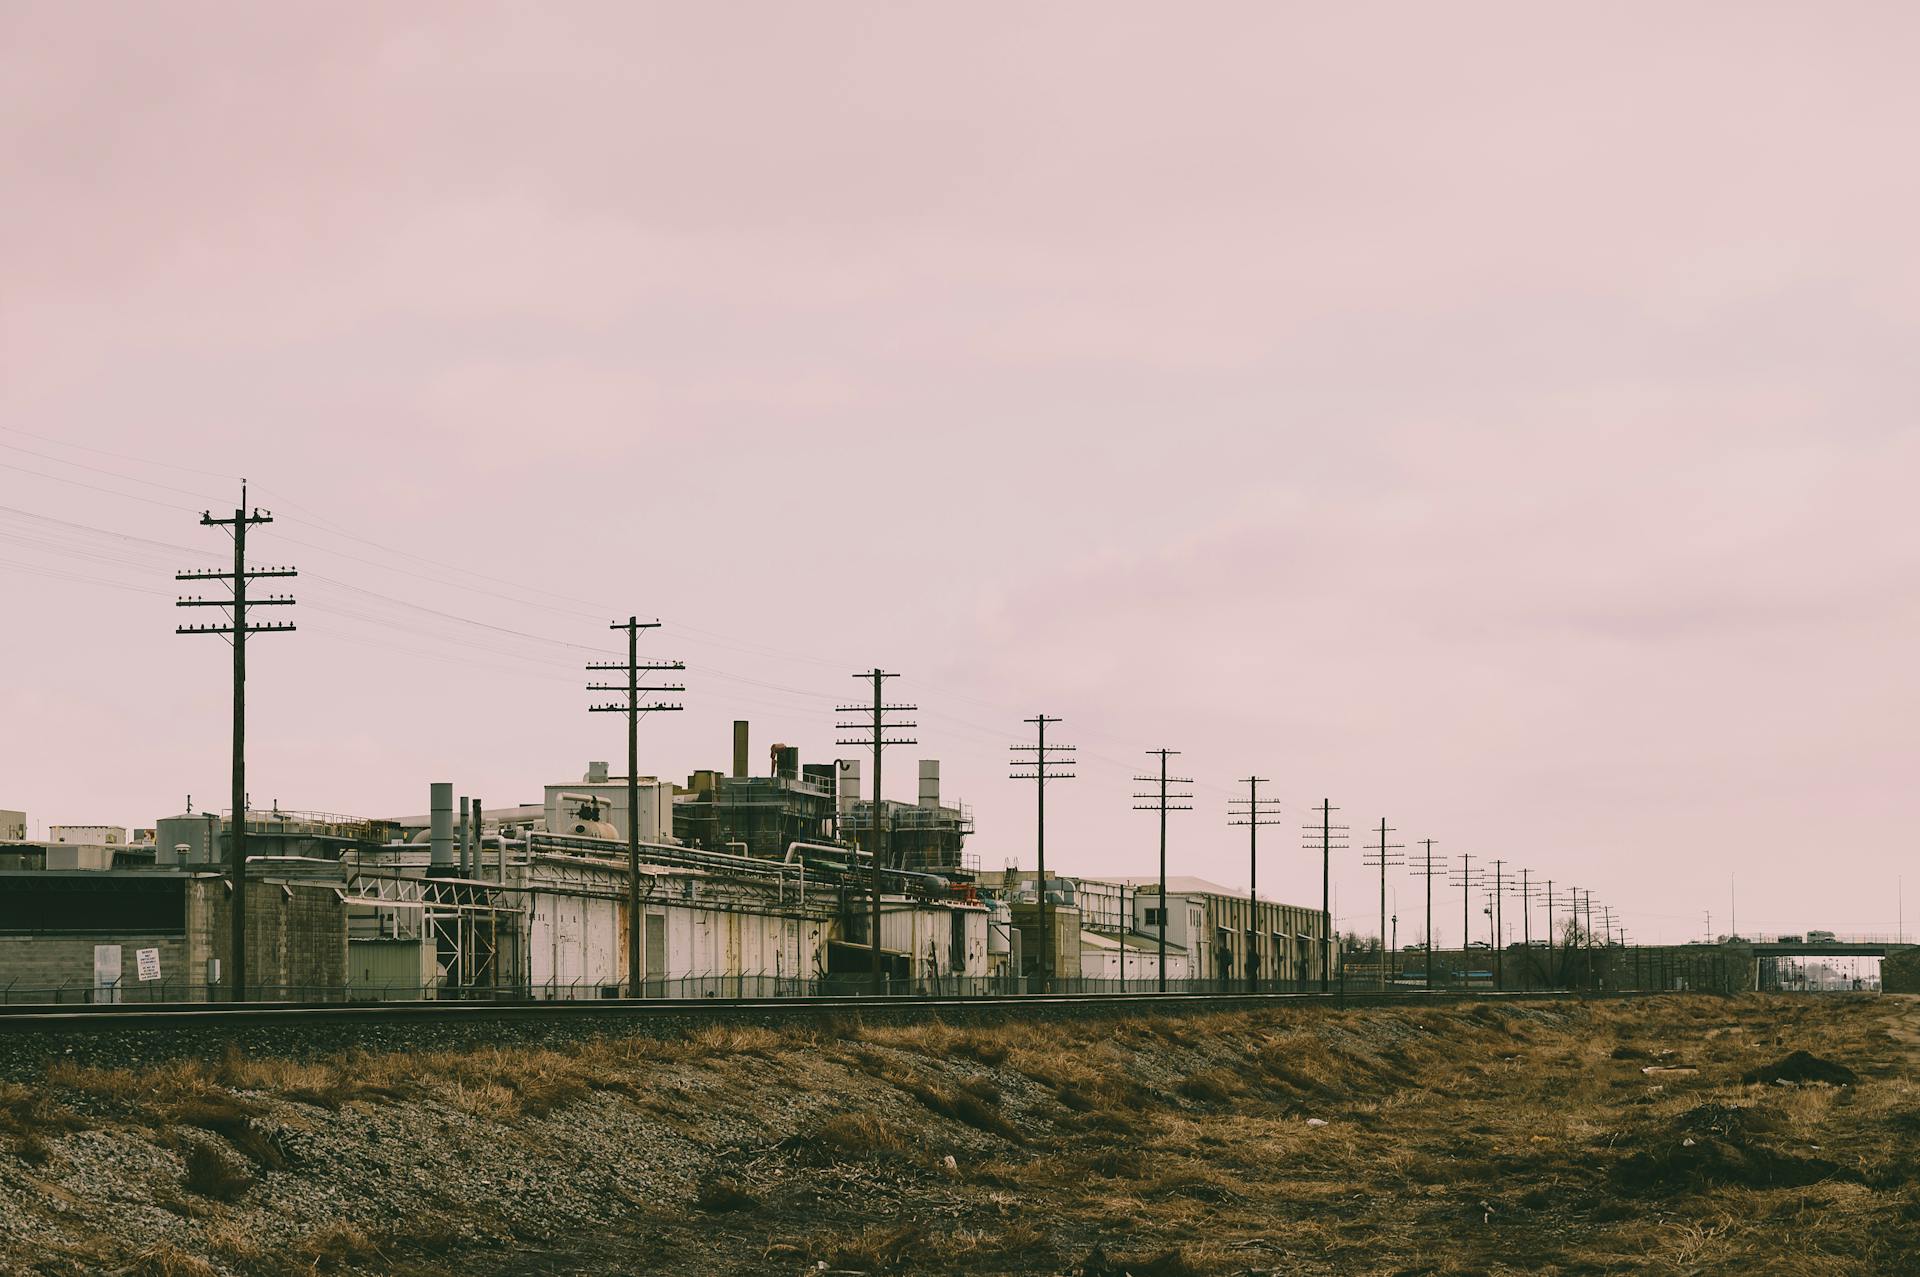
x=1430, y=871
x=236, y=631
x=633, y=707
x=876, y=738
x=1499, y=935
x=1043, y=762
x=1466, y=877
x=1163, y=802
x=1253, y=811
x=1331, y=838
x=1380, y=856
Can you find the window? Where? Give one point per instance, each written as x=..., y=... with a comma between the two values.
x=1154, y=916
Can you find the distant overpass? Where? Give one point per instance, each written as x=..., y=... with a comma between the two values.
x=1837, y=948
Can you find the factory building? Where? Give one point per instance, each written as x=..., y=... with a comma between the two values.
x=88, y=835
x=1103, y=928
x=927, y=835
x=758, y=815
x=1225, y=939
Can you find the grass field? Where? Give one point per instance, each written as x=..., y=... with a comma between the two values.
x=1531, y=1138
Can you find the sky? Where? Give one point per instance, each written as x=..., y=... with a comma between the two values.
x=1497, y=419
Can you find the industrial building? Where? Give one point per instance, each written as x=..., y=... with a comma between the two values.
x=744, y=888
x=1109, y=929
x=746, y=885
x=925, y=835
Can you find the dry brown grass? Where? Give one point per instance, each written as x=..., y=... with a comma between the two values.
x=163, y=1260
x=1455, y=1139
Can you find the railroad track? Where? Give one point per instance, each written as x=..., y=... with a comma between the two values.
x=28, y=1017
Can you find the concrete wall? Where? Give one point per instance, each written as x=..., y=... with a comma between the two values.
x=1900, y=972
x=296, y=935
x=62, y=966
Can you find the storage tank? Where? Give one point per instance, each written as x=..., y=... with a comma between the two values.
x=193, y=830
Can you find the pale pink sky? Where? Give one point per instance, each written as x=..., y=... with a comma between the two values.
x=1497, y=417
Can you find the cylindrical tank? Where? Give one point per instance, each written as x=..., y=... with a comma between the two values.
x=189, y=831
x=786, y=761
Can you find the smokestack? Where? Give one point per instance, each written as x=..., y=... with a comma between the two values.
x=929, y=782
x=740, y=763
x=441, y=818
x=847, y=786
x=466, y=841
x=479, y=843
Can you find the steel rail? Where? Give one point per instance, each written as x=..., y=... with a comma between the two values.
x=25, y=1017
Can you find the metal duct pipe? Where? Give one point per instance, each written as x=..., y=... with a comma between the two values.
x=440, y=808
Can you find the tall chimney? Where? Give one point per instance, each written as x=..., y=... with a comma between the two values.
x=441, y=818
x=740, y=747
x=846, y=786
x=465, y=835
x=929, y=782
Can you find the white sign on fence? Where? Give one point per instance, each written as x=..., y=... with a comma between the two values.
x=149, y=960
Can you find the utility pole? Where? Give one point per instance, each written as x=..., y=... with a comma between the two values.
x=1466, y=877
x=633, y=708
x=1163, y=802
x=1499, y=932
x=1253, y=811
x=235, y=631
x=876, y=739
x=1430, y=871
x=1550, y=979
x=1381, y=856
x=1331, y=837
x=1043, y=762
x=1526, y=925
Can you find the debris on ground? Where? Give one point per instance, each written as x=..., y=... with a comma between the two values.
x=1714, y=1144
x=1800, y=1067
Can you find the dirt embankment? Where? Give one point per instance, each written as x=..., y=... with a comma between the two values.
x=1541, y=1139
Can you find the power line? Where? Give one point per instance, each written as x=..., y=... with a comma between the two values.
x=145, y=461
